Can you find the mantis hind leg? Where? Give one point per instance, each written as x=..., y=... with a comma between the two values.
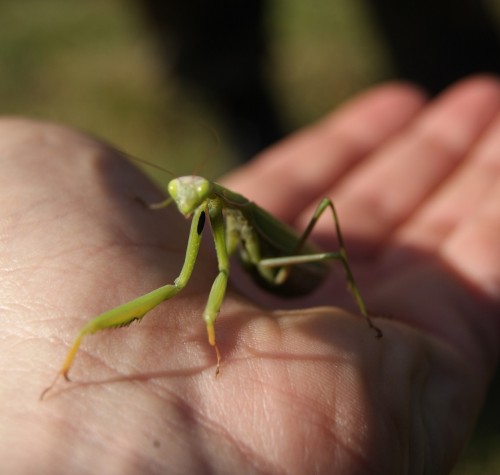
x=285, y=263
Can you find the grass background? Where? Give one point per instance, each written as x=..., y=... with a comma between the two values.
x=94, y=65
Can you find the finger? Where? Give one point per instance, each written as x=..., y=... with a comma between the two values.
x=382, y=192
x=472, y=249
x=457, y=201
x=299, y=169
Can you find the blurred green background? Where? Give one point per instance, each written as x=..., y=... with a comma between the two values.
x=94, y=65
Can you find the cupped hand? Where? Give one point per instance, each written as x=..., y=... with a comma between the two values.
x=308, y=390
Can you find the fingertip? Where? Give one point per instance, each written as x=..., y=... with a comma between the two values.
x=392, y=94
x=484, y=82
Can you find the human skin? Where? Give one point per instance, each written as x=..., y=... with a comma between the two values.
x=310, y=390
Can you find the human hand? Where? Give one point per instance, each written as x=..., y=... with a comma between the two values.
x=417, y=186
x=300, y=391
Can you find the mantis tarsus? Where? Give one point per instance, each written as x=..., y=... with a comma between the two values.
x=277, y=258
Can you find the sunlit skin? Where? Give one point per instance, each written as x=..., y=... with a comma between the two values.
x=306, y=390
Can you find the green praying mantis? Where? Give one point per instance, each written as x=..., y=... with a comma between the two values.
x=277, y=258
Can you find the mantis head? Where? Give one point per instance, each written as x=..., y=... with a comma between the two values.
x=189, y=192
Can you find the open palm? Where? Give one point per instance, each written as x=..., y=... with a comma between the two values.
x=301, y=391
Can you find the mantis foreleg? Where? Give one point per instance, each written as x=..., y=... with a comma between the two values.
x=219, y=286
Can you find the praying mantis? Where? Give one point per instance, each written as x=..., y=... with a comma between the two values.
x=278, y=259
